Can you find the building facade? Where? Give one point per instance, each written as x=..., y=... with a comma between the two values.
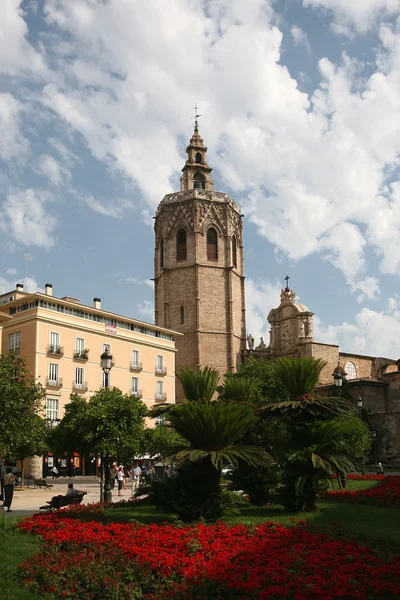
x=62, y=341
x=371, y=381
x=199, y=268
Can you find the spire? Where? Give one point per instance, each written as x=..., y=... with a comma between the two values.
x=196, y=172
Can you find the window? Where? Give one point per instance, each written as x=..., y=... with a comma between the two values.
x=161, y=253
x=107, y=348
x=135, y=385
x=52, y=409
x=54, y=341
x=80, y=346
x=160, y=421
x=182, y=315
x=351, y=371
x=135, y=358
x=79, y=376
x=160, y=389
x=198, y=181
x=198, y=158
x=181, y=245
x=14, y=342
x=234, y=251
x=160, y=364
x=53, y=372
x=212, y=244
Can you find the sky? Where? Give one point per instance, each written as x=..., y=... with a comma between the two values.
x=300, y=105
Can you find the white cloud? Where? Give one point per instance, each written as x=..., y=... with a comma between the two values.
x=146, y=310
x=25, y=216
x=261, y=297
x=356, y=15
x=316, y=174
x=11, y=271
x=114, y=208
x=13, y=145
x=7, y=285
x=300, y=37
x=17, y=55
x=372, y=333
x=51, y=168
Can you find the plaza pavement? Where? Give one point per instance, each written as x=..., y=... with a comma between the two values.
x=27, y=500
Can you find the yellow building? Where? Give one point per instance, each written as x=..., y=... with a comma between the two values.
x=62, y=341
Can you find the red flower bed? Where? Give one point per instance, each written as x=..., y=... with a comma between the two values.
x=205, y=562
x=386, y=494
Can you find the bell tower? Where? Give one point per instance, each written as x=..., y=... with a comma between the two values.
x=199, y=270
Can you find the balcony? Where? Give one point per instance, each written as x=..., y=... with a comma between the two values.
x=80, y=387
x=160, y=370
x=82, y=356
x=54, y=383
x=136, y=366
x=137, y=394
x=160, y=397
x=55, y=350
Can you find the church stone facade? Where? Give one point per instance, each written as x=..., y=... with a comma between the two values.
x=199, y=270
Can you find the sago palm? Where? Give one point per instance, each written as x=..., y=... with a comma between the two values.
x=299, y=376
x=318, y=451
x=240, y=389
x=199, y=383
x=214, y=430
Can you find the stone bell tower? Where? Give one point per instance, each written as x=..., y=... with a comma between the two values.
x=198, y=268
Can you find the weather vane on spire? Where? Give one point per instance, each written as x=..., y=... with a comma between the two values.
x=196, y=116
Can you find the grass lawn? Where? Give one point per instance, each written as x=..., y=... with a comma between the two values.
x=15, y=547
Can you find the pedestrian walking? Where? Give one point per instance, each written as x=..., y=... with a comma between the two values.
x=123, y=471
x=9, y=480
x=54, y=471
x=136, y=473
x=120, y=477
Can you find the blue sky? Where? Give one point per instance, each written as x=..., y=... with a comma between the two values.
x=300, y=104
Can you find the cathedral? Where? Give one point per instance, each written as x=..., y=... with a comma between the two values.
x=199, y=293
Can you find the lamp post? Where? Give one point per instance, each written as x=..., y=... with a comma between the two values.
x=106, y=365
x=375, y=436
x=360, y=404
x=338, y=379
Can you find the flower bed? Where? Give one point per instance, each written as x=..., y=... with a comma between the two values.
x=95, y=561
x=386, y=493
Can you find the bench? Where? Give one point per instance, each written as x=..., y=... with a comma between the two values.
x=42, y=484
x=63, y=501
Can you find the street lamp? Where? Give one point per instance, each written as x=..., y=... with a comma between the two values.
x=106, y=365
x=360, y=404
x=338, y=377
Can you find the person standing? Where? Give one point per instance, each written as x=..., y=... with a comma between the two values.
x=136, y=473
x=54, y=470
x=9, y=480
x=121, y=479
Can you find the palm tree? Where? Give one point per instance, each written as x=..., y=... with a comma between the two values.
x=319, y=451
x=212, y=431
x=299, y=376
x=240, y=389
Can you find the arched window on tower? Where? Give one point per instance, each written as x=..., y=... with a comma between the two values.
x=182, y=315
x=199, y=158
x=198, y=181
x=181, y=245
x=351, y=371
x=234, y=251
x=212, y=244
x=161, y=253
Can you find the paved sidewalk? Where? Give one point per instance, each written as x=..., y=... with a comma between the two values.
x=27, y=500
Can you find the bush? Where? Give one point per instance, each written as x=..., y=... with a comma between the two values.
x=259, y=483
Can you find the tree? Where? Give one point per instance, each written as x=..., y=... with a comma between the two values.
x=212, y=431
x=320, y=431
x=264, y=378
x=110, y=422
x=22, y=426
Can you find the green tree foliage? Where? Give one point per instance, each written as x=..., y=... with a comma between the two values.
x=299, y=376
x=199, y=383
x=22, y=426
x=213, y=432
x=110, y=422
x=264, y=378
